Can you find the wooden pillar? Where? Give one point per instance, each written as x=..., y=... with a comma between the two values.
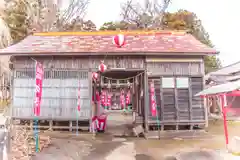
x=161, y=104
x=146, y=102
x=176, y=102
x=190, y=101
x=90, y=96
x=204, y=101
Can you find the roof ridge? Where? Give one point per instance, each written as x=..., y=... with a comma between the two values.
x=136, y=32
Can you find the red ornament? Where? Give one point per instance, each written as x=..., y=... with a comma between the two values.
x=102, y=67
x=119, y=40
x=94, y=76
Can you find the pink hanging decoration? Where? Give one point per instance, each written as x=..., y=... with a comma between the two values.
x=79, y=100
x=122, y=100
x=128, y=98
x=109, y=99
x=103, y=98
x=94, y=76
x=152, y=100
x=38, y=94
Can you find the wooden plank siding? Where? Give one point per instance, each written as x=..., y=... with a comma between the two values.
x=174, y=66
x=81, y=62
x=198, y=111
x=178, y=105
x=57, y=70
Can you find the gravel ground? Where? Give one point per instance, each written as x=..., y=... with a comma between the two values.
x=107, y=147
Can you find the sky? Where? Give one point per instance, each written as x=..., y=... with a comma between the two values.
x=219, y=17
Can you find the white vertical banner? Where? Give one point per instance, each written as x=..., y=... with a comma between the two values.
x=224, y=100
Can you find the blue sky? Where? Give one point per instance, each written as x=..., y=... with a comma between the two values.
x=219, y=17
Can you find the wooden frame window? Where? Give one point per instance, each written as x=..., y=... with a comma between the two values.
x=168, y=82
x=182, y=82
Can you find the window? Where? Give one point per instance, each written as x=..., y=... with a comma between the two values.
x=168, y=82
x=182, y=82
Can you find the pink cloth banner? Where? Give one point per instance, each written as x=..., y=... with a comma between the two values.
x=153, y=100
x=79, y=98
x=38, y=92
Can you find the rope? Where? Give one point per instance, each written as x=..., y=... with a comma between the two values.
x=109, y=78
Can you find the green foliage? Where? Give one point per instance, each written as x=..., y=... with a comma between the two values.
x=80, y=25
x=211, y=63
x=111, y=26
x=185, y=20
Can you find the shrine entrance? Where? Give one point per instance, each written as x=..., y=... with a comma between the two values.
x=120, y=99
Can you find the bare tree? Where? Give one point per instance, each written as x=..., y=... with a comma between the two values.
x=76, y=9
x=52, y=15
x=147, y=15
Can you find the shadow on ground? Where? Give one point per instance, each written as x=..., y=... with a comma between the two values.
x=85, y=147
x=77, y=148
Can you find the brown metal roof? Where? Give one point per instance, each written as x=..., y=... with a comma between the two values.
x=158, y=42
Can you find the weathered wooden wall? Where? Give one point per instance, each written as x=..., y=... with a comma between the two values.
x=80, y=62
x=62, y=76
x=176, y=81
x=177, y=104
x=175, y=66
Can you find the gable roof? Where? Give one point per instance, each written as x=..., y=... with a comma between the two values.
x=155, y=42
x=221, y=88
x=226, y=71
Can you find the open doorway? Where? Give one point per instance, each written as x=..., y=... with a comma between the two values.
x=120, y=99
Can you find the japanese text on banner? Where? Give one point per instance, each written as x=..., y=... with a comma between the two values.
x=38, y=91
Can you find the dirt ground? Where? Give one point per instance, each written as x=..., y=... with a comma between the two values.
x=105, y=146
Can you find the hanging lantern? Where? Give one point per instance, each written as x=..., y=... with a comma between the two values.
x=102, y=67
x=119, y=40
x=94, y=76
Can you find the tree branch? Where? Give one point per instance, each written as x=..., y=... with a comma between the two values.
x=149, y=15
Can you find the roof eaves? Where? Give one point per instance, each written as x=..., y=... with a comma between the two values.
x=230, y=65
x=101, y=53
